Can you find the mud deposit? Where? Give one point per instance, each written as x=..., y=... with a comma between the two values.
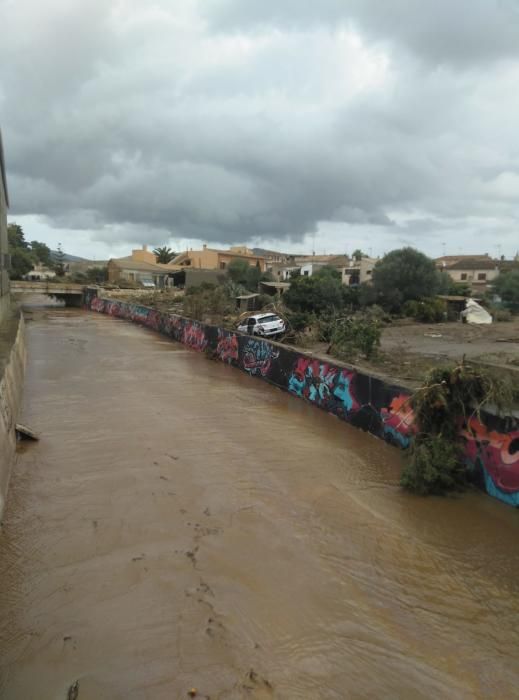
x=181, y=525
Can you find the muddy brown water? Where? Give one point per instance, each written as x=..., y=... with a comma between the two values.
x=182, y=525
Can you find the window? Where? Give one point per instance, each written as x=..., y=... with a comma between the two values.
x=268, y=319
x=368, y=272
x=305, y=273
x=463, y=276
x=482, y=276
x=223, y=266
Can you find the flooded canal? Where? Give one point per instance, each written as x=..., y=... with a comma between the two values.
x=182, y=525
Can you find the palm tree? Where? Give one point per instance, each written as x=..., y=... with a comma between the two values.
x=164, y=255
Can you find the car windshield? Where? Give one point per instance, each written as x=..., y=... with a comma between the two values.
x=268, y=319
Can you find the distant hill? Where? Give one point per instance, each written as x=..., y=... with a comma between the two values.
x=264, y=252
x=67, y=257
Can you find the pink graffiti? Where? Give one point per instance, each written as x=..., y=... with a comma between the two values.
x=399, y=419
x=498, y=452
x=193, y=335
x=97, y=304
x=227, y=348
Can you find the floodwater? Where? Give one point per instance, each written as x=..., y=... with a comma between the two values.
x=182, y=525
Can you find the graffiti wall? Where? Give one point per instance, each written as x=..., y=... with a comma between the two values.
x=491, y=449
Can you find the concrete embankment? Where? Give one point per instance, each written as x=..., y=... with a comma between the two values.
x=12, y=367
x=491, y=447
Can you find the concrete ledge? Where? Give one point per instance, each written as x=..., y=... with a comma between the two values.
x=12, y=370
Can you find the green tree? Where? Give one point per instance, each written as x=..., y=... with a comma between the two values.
x=358, y=254
x=237, y=270
x=22, y=261
x=41, y=253
x=164, y=255
x=319, y=293
x=59, y=265
x=507, y=286
x=97, y=274
x=16, y=236
x=403, y=275
x=249, y=276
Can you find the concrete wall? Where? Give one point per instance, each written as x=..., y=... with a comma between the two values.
x=4, y=248
x=365, y=401
x=12, y=354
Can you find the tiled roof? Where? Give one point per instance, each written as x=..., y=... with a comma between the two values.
x=472, y=264
x=129, y=264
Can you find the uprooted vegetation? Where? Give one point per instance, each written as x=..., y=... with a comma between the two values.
x=450, y=397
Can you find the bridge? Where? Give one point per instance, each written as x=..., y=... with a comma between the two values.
x=70, y=293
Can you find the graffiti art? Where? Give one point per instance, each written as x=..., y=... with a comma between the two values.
x=398, y=421
x=496, y=454
x=322, y=384
x=227, y=348
x=258, y=356
x=193, y=335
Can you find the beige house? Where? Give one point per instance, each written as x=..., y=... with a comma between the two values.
x=213, y=259
x=478, y=271
x=140, y=267
x=4, y=244
x=40, y=272
x=358, y=271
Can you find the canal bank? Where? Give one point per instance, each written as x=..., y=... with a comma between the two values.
x=179, y=525
x=490, y=444
x=12, y=366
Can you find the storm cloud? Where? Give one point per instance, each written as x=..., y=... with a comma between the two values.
x=264, y=122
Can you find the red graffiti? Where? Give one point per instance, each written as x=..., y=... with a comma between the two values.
x=193, y=335
x=227, y=348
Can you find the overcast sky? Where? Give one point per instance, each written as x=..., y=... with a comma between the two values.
x=280, y=123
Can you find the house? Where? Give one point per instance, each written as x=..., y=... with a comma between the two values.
x=272, y=257
x=4, y=241
x=478, y=271
x=40, y=272
x=214, y=259
x=282, y=272
x=359, y=271
x=273, y=288
x=140, y=268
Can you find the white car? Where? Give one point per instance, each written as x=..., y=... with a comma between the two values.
x=267, y=325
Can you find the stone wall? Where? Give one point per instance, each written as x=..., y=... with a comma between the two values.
x=12, y=356
x=365, y=401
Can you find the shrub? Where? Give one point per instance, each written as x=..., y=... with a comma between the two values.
x=299, y=320
x=502, y=315
x=426, y=311
x=207, y=300
x=433, y=466
x=450, y=394
x=351, y=336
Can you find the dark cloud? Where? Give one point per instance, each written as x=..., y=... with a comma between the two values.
x=442, y=31
x=260, y=121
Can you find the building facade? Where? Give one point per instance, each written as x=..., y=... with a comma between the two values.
x=214, y=259
x=478, y=272
x=4, y=241
x=358, y=271
x=140, y=268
